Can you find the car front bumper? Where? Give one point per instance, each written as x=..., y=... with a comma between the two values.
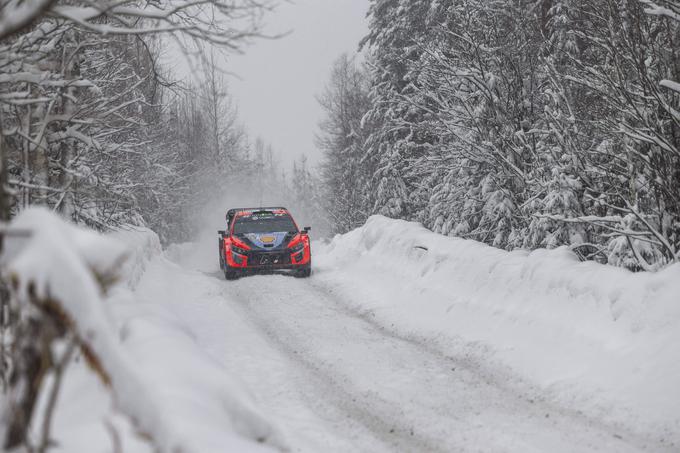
x=255, y=260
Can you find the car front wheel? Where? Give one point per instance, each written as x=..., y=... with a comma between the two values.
x=230, y=275
x=304, y=273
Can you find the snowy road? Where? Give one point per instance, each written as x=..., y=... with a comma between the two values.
x=336, y=380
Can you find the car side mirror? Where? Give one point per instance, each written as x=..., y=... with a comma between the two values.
x=306, y=230
x=221, y=232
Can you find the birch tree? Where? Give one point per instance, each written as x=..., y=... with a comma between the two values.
x=81, y=108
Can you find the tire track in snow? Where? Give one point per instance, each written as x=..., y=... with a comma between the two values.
x=470, y=358
x=471, y=410
x=379, y=416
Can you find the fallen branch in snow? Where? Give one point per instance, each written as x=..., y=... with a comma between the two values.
x=58, y=375
x=115, y=437
x=58, y=281
x=32, y=360
x=588, y=251
x=620, y=225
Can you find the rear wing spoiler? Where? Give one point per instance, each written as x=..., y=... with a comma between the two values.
x=232, y=212
x=268, y=208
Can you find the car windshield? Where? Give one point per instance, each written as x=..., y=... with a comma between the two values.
x=263, y=223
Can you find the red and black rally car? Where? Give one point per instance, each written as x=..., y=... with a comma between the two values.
x=263, y=239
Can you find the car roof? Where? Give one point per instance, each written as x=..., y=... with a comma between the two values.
x=239, y=212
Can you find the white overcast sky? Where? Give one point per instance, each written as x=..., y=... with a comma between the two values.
x=279, y=79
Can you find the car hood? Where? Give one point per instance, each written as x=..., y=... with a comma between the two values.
x=271, y=240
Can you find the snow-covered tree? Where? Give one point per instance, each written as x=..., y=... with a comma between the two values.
x=345, y=171
x=536, y=123
x=79, y=80
x=399, y=141
x=90, y=127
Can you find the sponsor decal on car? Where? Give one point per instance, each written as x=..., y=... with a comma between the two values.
x=268, y=240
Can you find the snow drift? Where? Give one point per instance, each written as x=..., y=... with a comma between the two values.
x=158, y=377
x=142, y=246
x=599, y=339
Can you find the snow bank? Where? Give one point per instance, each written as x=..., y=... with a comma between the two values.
x=157, y=376
x=142, y=246
x=600, y=339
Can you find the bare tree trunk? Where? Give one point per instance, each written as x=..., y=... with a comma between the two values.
x=70, y=72
x=4, y=196
x=4, y=294
x=33, y=358
x=26, y=172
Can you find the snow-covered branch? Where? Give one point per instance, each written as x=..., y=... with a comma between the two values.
x=528, y=128
x=16, y=15
x=656, y=8
x=62, y=281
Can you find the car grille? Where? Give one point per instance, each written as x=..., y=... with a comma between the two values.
x=268, y=259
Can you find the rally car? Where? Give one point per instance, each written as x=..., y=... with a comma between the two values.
x=261, y=240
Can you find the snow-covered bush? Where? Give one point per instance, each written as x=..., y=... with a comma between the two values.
x=65, y=281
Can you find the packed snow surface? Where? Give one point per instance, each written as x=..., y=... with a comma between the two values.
x=405, y=340
x=402, y=340
x=599, y=339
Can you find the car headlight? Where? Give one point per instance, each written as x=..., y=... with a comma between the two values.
x=299, y=247
x=238, y=250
